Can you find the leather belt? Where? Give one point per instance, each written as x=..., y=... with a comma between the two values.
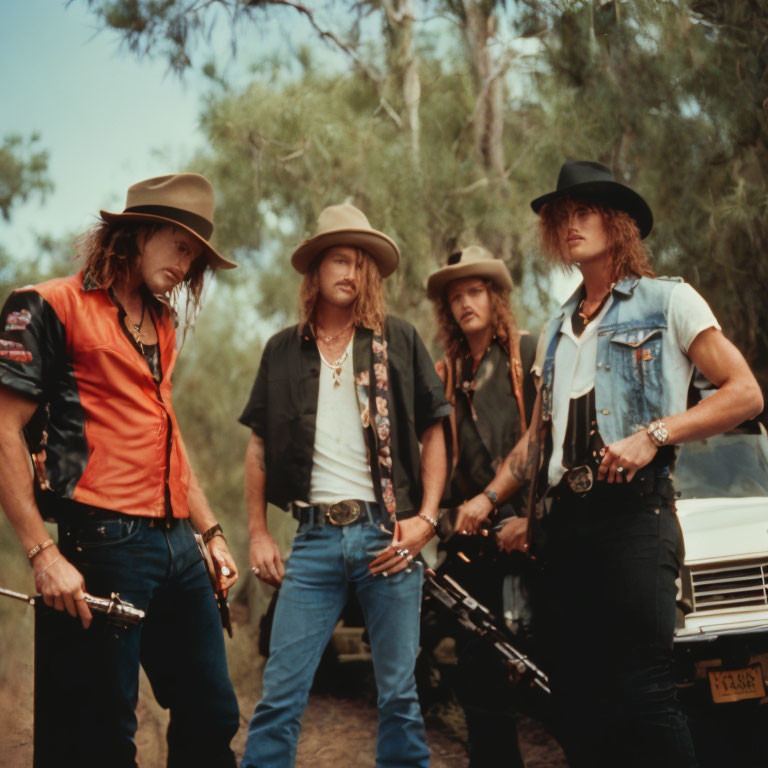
x=339, y=513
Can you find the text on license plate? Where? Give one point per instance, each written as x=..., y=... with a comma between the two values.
x=736, y=684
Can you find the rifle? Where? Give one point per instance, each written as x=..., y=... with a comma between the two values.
x=221, y=597
x=476, y=618
x=117, y=611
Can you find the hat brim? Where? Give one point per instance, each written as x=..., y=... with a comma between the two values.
x=215, y=260
x=492, y=269
x=610, y=193
x=382, y=248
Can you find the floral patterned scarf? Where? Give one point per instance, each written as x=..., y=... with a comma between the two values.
x=380, y=417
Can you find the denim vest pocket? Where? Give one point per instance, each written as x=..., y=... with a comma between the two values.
x=635, y=353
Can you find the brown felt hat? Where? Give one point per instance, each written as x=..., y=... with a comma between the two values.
x=472, y=261
x=348, y=226
x=182, y=199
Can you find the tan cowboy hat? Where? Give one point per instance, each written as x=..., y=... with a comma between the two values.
x=346, y=225
x=182, y=199
x=472, y=261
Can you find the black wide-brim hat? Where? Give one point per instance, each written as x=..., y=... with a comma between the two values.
x=593, y=181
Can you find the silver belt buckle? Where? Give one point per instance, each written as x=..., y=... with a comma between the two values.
x=343, y=512
x=580, y=479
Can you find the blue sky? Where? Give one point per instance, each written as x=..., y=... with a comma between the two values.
x=106, y=118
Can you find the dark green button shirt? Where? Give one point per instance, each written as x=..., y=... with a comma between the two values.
x=282, y=409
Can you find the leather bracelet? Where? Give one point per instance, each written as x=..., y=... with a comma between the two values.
x=38, y=548
x=431, y=520
x=213, y=532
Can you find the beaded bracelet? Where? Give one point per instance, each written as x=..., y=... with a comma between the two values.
x=431, y=520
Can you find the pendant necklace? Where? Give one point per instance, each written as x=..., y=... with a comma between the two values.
x=137, y=327
x=336, y=367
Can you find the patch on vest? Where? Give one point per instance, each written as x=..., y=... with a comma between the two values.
x=18, y=321
x=643, y=355
x=15, y=352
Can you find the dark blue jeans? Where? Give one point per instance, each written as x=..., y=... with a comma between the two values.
x=606, y=616
x=87, y=680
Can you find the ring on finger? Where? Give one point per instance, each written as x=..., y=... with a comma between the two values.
x=385, y=573
x=255, y=571
x=619, y=469
x=409, y=558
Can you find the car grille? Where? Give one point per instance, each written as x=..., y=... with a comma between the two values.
x=737, y=586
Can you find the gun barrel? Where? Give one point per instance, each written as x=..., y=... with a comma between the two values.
x=17, y=595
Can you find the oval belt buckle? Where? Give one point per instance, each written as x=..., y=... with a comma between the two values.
x=343, y=512
x=580, y=479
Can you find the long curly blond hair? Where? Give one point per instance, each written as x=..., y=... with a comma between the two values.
x=109, y=252
x=628, y=253
x=452, y=338
x=369, y=309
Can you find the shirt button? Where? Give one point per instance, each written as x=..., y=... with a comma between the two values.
x=607, y=367
x=605, y=411
x=599, y=365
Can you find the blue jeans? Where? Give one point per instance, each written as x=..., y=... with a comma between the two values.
x=87, y=680
x=325, y=563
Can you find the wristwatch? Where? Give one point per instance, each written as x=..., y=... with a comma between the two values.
x=492, y=495
x=657, y=431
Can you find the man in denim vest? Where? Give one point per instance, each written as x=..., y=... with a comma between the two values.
x=339, y=406
x=618, y=362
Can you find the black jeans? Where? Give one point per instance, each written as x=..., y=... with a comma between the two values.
x=606, y=616
x=86, y=685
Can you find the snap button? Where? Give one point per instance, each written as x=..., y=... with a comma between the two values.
x=607, y=367
x=605, y=411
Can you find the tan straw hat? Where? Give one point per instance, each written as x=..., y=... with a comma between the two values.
x=346, y=225
x=182, y=199
x=472, y=261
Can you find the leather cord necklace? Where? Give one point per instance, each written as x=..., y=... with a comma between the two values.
x=580, y=320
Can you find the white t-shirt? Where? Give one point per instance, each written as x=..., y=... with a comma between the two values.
x=340, y=466
x=576, y=358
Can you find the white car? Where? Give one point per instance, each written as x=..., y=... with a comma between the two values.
x=721, y=638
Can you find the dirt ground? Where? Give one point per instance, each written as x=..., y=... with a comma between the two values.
x=338, y=730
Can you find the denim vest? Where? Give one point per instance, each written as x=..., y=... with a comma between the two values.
x=634, y=382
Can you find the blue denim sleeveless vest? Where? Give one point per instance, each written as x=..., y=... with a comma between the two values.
x=634, y=383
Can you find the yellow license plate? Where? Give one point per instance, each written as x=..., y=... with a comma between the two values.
x=736, y=684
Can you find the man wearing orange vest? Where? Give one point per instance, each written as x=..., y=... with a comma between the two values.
x=85, y=376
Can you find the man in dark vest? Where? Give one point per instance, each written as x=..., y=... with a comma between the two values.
x=487, y=376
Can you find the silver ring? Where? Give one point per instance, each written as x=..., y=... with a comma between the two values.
x=403, y=552
x=619, y=469
x=255, y=571
x=409, y=558
x=464, y=532
x=225, y=571
x=384, y=574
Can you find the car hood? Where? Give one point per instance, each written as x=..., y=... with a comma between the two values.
x=724, y=529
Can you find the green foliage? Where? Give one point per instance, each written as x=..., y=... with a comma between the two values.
x=23, y=171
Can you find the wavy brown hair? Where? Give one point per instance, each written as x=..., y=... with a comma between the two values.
x=369, y=309
x=452, y=338
x=109, y=252
x=628, y=253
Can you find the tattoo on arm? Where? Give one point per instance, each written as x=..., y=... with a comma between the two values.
x=520, y=465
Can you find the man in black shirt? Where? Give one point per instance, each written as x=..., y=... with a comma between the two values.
x=337, y=411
